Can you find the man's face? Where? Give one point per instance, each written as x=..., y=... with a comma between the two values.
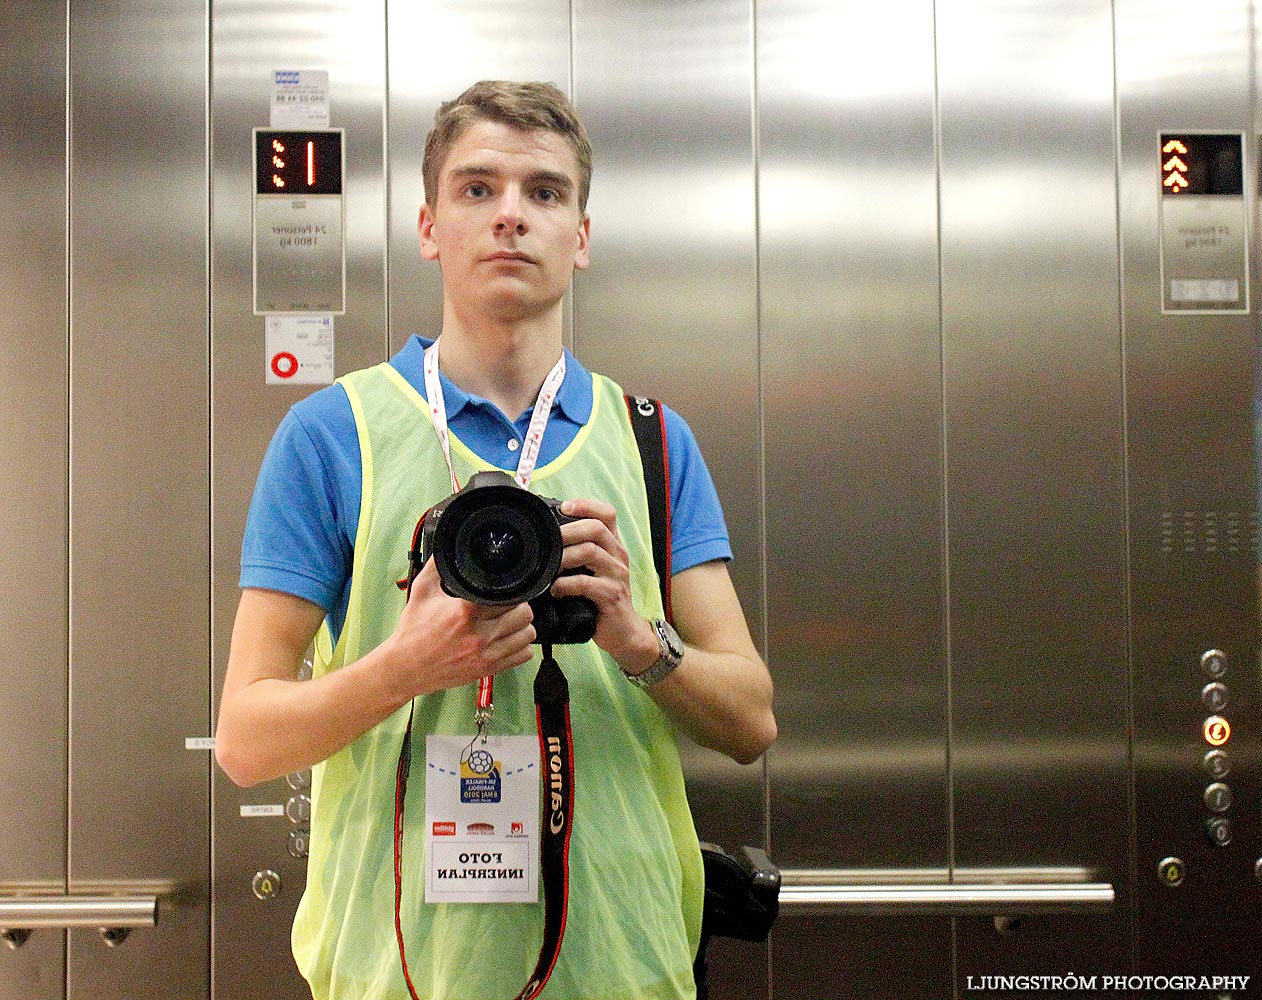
x=506, y=227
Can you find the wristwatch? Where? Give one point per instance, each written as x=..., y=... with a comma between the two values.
x=672, y=653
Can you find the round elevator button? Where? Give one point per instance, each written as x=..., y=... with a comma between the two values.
x=1217, y=797
x=1214, y=663
x=298, y=809
x=1214, y=696
x=299, y=842
x=1218, y=830
x=1216, y=730
x=1216, y=763
x=266, y=884
x=1171, y=872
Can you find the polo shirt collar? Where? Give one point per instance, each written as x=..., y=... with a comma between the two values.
x=574, y=397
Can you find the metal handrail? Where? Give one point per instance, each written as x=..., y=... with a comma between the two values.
x=806, y=892
x=35, y=912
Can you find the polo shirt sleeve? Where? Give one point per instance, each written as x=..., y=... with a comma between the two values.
x=698, y=531
x=299, y=536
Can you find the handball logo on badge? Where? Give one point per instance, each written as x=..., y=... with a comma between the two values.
x=480, y=778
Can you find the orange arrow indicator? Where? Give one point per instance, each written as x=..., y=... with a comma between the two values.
x=1174, y=163
x=1175, y=182
x=1174, y=146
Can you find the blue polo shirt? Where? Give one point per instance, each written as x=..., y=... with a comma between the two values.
x=300, y=534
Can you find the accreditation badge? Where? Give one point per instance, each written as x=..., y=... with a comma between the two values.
x=481, y=819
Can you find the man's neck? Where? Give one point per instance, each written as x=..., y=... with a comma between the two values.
x=503, y=363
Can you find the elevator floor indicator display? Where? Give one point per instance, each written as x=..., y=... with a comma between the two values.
x=299, y=231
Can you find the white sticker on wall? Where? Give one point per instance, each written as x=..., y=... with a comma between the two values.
x=253, y=812
x=300, y=98
x=299, y=350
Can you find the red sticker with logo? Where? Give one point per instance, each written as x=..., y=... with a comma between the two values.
x=284, y=365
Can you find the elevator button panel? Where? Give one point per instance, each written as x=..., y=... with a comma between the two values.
x=1216, y=731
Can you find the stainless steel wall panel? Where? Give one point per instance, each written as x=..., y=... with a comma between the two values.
x=250, y=41
x=33, y=467
x=1033, y=425
x=1192, y=387
x=669, y=305
x=851, y=381
x=139, y=489
x=480, y=40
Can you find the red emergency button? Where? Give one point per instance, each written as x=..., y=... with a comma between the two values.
x=1217, y=730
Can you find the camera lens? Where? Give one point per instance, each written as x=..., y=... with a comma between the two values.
x=497, y=548
x=497, y=544
x=496, y=551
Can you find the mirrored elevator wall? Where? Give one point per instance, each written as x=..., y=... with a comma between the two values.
x=904, y=270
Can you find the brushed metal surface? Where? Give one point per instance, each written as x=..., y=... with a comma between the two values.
x=1033, y=425
x=463, y=41
x=850, y=367
x=249, y=41
x=1191, y=391
x=33, y=469
x=668, y=307
x=139, y=678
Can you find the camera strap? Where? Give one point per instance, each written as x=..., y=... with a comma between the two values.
x=648, y=423
x=556, y=755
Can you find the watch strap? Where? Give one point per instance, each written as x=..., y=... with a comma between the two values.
x=672, y=653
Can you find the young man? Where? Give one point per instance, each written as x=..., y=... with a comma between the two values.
x=507, y=170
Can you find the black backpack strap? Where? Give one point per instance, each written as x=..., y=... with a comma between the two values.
x=649, y=424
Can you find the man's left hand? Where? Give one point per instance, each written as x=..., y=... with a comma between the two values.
x=592, y=543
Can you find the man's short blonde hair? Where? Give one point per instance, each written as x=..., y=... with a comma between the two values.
x=524, y=106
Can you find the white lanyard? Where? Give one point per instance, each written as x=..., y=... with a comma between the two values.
x=525, y=466
x=538, y=419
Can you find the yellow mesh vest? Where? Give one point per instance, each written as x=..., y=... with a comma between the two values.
x=636, y=880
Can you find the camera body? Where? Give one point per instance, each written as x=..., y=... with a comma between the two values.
x=495, y=543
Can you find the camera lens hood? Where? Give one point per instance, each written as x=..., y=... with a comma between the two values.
x=496, y=543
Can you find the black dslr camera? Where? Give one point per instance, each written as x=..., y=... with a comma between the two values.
x=496, y=543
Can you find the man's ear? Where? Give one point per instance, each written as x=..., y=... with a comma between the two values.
x=582, y=253
x=425, y=233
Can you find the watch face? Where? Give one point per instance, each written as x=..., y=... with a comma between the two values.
x=670, y=639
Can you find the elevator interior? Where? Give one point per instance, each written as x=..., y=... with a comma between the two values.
x=976, y=378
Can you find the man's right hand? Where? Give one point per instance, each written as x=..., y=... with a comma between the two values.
x=271, y=725
x=444, y=642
